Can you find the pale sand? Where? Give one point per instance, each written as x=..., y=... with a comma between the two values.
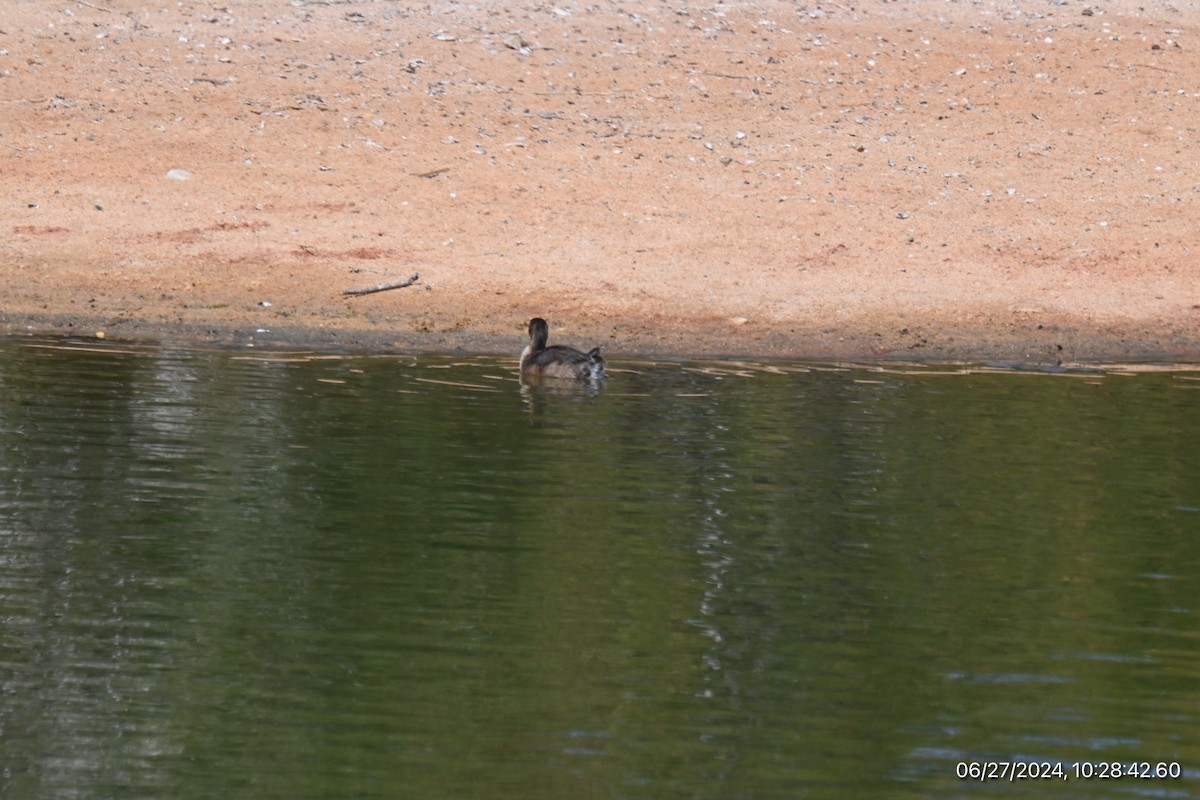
x=917, y=180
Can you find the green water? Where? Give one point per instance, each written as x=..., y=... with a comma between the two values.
x=239, y=574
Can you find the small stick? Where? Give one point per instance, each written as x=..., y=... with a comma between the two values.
x=383, y=287
x=730, y=77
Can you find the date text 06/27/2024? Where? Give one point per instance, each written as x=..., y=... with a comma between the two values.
x=1059, y=770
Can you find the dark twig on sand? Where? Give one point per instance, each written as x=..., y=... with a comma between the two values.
x=383, y=287
x=98, y=8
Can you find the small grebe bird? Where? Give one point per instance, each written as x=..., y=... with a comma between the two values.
x=558, y=361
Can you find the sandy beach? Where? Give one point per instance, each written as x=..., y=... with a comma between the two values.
x=871, y=180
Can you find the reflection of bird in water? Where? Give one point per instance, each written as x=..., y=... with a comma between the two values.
x=545, y=396
x=558, y=361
